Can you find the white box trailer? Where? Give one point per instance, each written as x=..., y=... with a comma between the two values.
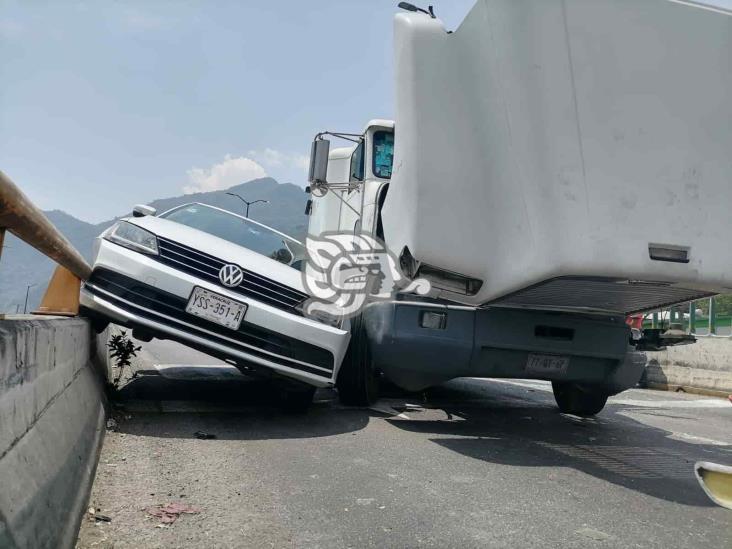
x=565, y=154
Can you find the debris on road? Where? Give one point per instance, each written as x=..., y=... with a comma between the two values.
x=170, y=512
x=95, y=516
x=204, y=436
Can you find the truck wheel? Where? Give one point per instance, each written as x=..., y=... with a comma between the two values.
x=295, y=398
x=578, y=400
x=358, y=382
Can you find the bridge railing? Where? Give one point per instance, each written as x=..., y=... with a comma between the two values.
x=710, y=317
x=19, y=216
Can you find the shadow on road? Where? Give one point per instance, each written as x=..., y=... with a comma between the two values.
x=224, y=404
x=611, y=447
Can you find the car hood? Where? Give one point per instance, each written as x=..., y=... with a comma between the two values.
x=222, y=249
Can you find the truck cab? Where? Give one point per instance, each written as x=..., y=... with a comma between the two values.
x=358, y=177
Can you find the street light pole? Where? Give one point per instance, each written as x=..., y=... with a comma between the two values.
x=27, y=289
x=247, y=202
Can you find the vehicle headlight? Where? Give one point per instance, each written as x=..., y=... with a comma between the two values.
x=327, y=318
x=133, y=237
x=321, y=316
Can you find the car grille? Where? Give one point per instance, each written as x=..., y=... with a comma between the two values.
x=152, y=303
x=207, y=267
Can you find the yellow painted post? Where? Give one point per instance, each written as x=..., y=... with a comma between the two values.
x=62, y=294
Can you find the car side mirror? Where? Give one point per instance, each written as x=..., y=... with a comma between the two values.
x=319, y=161
x=142, y=210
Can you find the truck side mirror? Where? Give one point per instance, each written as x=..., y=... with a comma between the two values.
x=319, y=161
x=141, y=210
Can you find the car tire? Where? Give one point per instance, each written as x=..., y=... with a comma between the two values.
x=98, y=323
x=358, y=380
x=577, y=399
x=295, y=399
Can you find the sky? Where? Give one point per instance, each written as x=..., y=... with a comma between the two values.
x=105, y=104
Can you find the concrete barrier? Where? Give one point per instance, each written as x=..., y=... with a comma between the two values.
x=704, y=367
x=52, y=420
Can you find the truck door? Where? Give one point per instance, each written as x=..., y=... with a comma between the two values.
x=352, y=199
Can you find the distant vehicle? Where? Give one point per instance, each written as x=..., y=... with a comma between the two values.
x=218, y=282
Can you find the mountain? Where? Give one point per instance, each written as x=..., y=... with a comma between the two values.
x=21, y=265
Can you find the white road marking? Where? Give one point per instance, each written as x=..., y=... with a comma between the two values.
x=540, y=385
x=690, y=404
x=384, y=408
x=686, y=437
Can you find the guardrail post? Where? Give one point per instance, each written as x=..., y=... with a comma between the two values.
x=62, y=295
x=672, y=315
x=692, y=318
x=712, y=316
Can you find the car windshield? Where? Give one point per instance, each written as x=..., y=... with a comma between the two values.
x=239, y=230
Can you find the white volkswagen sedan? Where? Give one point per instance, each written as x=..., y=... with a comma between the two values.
x=218, y=282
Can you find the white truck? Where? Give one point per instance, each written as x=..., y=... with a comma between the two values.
x=554, y=166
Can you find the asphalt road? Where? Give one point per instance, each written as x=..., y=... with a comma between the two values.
x=473, y=463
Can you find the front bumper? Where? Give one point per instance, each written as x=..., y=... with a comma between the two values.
x=496, y=342
x=136, y=290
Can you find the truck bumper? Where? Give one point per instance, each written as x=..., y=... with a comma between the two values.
x=497, y=342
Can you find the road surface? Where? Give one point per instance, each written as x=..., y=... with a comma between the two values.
x=473, y=463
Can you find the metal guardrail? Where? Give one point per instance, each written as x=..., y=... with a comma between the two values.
x=25, y=220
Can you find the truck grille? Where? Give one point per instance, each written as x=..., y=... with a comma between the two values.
x=152, y=303
x=207, y=267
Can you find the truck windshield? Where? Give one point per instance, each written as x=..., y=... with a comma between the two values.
x=239, y=230
x=383, y=153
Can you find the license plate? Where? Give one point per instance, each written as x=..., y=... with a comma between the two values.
x=547, y=364
x=216, y=308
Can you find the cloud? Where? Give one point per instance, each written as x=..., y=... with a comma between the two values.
x=223, y=175
x=272, y=158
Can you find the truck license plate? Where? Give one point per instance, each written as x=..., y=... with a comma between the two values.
x=547, y=364
x=216, y=308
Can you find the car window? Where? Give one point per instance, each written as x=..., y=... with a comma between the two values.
x=383, y=154
x=239, y=230
x=357, y=166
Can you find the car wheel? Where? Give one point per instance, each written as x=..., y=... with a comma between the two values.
x=578, y=400
x=295, y=399
x=358, y=381
x=98, y=323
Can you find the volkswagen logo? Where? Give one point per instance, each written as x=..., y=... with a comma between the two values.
x=231, y=275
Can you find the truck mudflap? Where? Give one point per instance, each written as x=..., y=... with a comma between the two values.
x=420, y=344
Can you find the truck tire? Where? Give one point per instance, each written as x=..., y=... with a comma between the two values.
x=358, y=381
x=578, y=400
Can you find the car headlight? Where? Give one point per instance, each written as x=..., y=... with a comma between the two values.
x=133, y=237
x=321, y=316
x=327, y=318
